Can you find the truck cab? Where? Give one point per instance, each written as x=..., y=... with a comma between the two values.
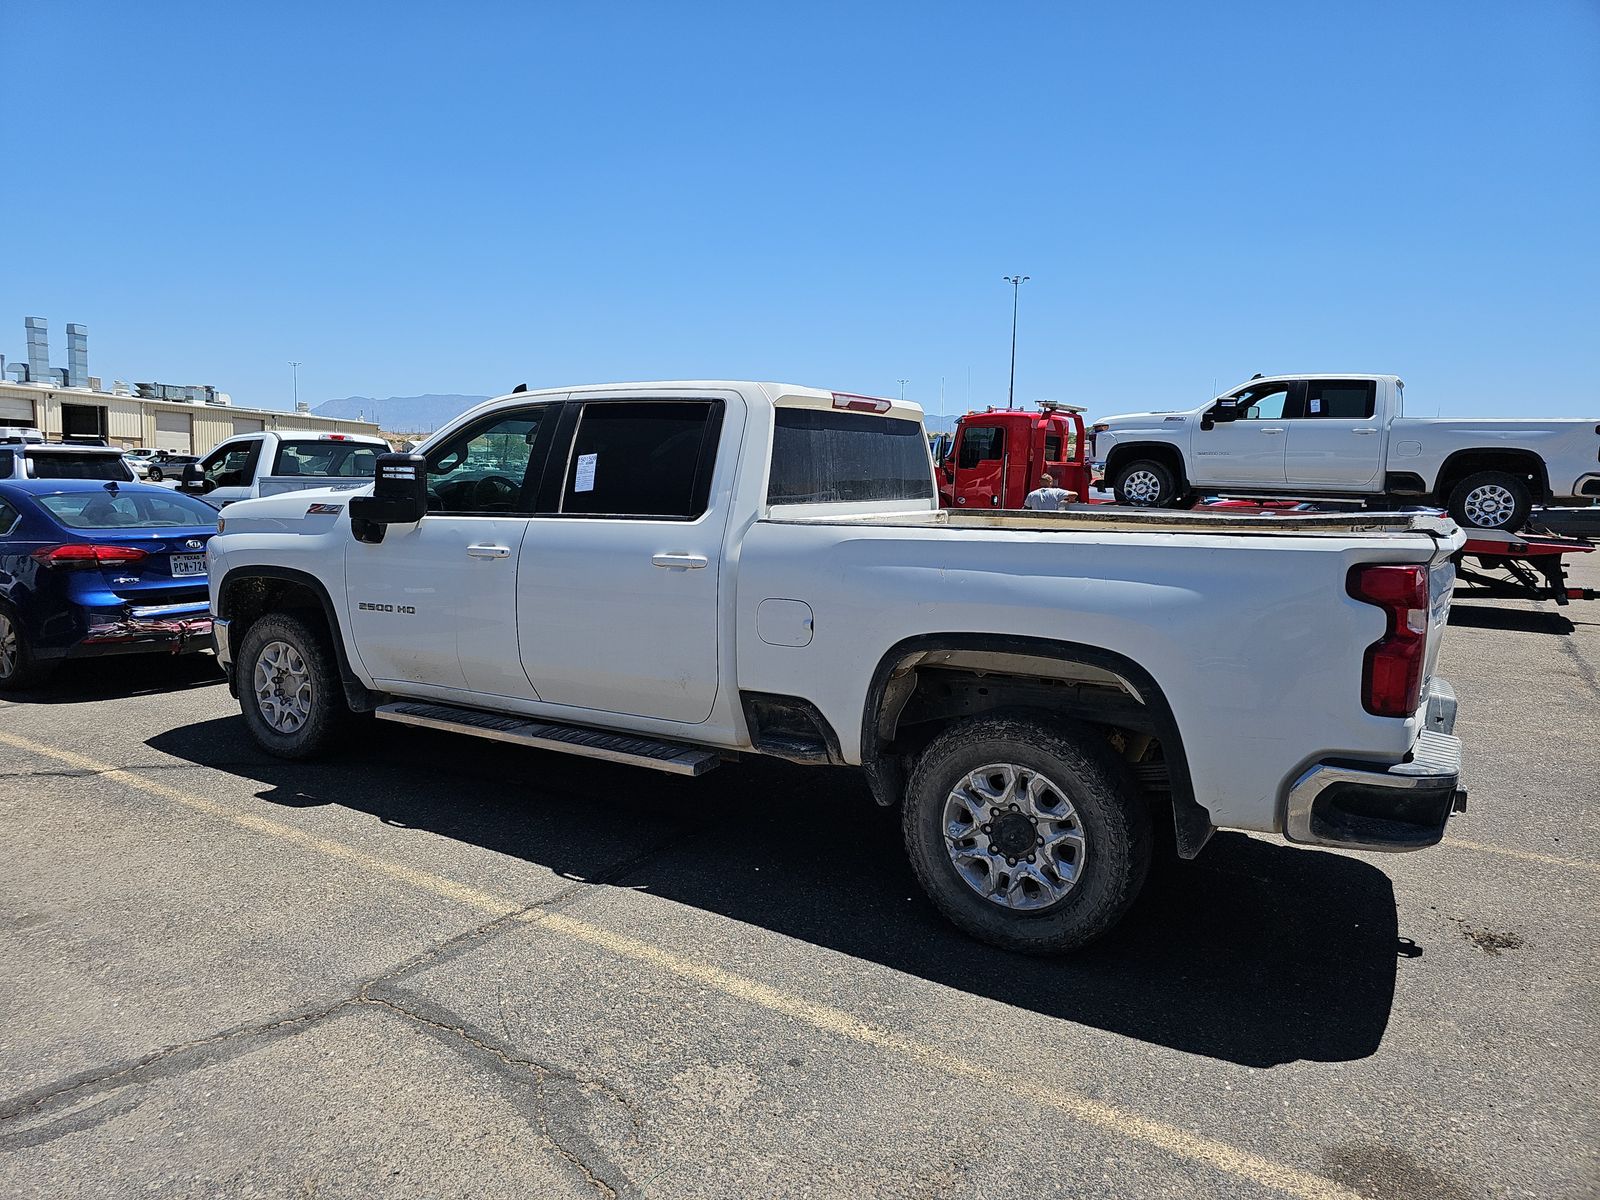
x=996, y=456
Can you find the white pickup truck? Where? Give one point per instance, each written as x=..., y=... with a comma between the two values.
x=264, y=464
x=1346, y=436
x=675, y=574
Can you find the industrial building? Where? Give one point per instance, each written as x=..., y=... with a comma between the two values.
x=68, y=402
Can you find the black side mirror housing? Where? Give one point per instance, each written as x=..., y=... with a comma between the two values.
x=399, y=497
x=194, y=480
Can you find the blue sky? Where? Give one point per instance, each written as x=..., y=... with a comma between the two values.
x=414, y=198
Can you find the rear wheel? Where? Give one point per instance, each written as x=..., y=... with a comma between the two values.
x=289, y=687
x=1146, y=483
x=1491, y=500
x=1026, y=834
x=18, y=666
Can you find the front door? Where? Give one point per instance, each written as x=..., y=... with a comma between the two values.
x=1336, y=444
x=435, y=602
x=230, y=469
x=618, y=579
x=980, y=460
x=1249, y=449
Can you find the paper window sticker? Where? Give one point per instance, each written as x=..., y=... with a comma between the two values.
x=1316, y=404
x=585, y=479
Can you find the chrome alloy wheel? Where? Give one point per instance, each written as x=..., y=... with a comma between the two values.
x=9, y=654
x=1489, y=506
x=1142, y=487
x=282, y=684
x=1014, y=836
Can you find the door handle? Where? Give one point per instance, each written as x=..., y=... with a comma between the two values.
x=1272, y=430
x=685, y=562
x=486, y=551
x=1364, y=429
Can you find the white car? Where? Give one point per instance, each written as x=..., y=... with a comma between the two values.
x=671, y=574
x=1345, y=436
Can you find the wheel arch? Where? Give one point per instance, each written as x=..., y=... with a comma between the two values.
x=1513, y=460
x=1016, y=673
x=1165, y=453
x=249, y=592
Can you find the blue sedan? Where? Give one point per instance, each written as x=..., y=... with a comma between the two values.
x=90, y=568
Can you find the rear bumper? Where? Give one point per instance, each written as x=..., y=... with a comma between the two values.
x=170, y=629
x=1364, y=806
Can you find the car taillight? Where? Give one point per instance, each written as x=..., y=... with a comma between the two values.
x=78, y=555
x=1391, y=673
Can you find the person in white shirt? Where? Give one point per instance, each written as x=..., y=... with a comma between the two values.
x=1047, y=496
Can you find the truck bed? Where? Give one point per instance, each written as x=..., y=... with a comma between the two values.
x=1092, y=518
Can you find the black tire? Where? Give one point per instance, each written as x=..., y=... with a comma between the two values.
x=154, y=475
x=19, y=668
x=1491, y=500
x=1146, y=483
x=1115, y=826
x=325, y=708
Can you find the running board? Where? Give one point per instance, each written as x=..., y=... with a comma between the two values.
x=564, y=739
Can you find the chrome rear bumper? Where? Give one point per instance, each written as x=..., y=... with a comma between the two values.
x=1361, y=806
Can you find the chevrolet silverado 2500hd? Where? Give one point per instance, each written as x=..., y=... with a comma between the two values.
x=671, y=574
x=1346, y=436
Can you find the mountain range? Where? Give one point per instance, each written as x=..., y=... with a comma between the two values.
x=400, y=414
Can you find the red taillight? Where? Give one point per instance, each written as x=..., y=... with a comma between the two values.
x=80, y=555
x=853, y=403
x=1391, y=674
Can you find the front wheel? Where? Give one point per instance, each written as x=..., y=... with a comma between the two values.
x=1026, y=834
x=1146, y=484
x=1491, y=500
x=289, y=688
x=154, y=474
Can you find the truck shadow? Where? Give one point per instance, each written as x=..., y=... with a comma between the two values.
x=1256, y=953
x=1508, y=620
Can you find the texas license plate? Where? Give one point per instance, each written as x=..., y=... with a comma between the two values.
x=188, y=564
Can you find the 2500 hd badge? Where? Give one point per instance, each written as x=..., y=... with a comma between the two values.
x=394, y=608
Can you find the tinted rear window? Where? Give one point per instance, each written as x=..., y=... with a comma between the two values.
x=79, y=466
x=819, y=457
x=354, y=460
x=127, y=510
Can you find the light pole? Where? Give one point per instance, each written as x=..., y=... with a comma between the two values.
x=903, y=383
x=1016, y=282
x=294, y=370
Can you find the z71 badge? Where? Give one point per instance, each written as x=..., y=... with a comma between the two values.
x=324, y=510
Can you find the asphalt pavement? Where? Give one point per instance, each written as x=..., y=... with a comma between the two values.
x=440, y=967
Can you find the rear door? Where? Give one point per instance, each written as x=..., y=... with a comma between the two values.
x=617, y=592
x=1335, y=441
x=1250, y=449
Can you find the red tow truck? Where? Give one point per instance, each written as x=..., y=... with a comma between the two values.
x=995, y=457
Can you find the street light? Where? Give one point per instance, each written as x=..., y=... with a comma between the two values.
x=1016, y=282
x=294, y=369
x=903, y=383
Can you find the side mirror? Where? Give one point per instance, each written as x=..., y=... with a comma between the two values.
x=399, y=497
x=194, y=480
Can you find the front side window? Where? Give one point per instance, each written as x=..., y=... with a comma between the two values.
x=483, y=467
x=644, y=458
x=1264, y=403
x=307, y=456
x=114, y=510
x=820, y=456
x=231, y=465
x=981, y=443
x=1341, y=399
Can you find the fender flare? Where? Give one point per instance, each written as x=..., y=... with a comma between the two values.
x=1191, y=819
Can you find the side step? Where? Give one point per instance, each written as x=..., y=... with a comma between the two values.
x=565, y=739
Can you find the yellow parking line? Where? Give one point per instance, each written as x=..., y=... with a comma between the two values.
x=1180, y=1143
x=1549, y=860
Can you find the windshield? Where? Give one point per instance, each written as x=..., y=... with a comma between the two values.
x=352, y=460
x=127, y=510
x=820, y=457
x=79, y=466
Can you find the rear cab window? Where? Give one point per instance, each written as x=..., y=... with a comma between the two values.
x=822, y=456
x=649, y=459
x=325, y=456
x=1341, y=399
